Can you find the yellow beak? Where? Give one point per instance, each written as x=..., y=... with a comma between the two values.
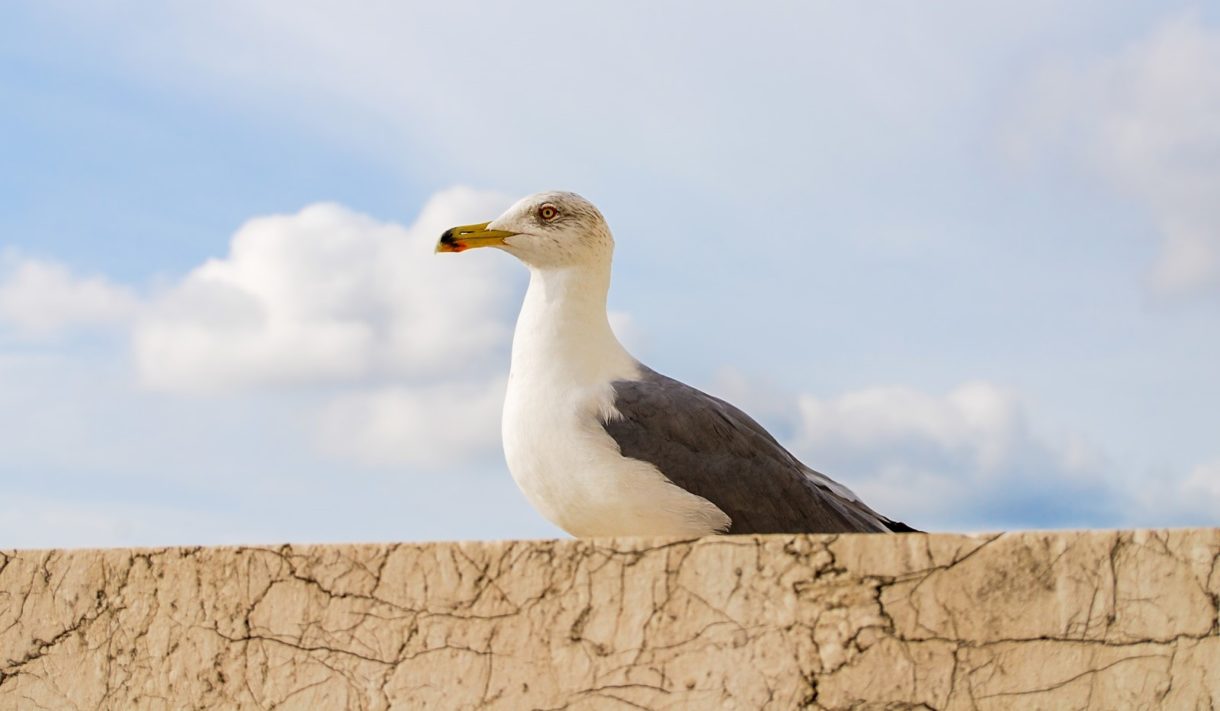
x=460, y=239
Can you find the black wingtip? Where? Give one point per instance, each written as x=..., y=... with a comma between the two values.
x=900, y=527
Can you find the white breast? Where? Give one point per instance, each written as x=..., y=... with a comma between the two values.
x=570, y=469
x=565, y=358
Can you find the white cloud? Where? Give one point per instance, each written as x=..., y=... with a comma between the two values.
x=1190, y=500
x=977, y=422
x=397, y=355
x=412, y=345
x=968, y=458
x=1205, y=481
x=41, y=298
x=426, y=426
x=329, y=295
x=1202, y=489
x=1148, y=120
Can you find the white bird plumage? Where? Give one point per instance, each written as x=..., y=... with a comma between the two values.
x=564, y=358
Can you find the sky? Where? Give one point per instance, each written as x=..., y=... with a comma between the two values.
x=964, y=258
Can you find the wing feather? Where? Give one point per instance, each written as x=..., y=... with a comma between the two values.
x=714, y=450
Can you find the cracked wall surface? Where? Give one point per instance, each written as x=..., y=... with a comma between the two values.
x=1124, y=619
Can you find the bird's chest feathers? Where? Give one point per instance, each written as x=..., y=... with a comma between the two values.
x=571, y=470
x=553, y=439
x=560, y=391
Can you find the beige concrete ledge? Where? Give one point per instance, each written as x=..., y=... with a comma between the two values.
x=1028, y=620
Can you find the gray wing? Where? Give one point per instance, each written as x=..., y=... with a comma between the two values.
x=713, y=450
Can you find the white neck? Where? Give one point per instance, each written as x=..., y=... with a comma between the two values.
x=563, y=333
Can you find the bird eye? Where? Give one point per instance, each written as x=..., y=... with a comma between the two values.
x=548, y=212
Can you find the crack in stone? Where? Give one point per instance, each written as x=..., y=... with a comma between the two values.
x=1071, y=679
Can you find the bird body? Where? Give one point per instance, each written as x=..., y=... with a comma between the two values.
x=601, y=444
x=565, y=360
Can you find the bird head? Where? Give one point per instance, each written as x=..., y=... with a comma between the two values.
x=545, y=230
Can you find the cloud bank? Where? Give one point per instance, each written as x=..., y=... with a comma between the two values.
x=399, y=355
x=968, y=458
x=329, y=295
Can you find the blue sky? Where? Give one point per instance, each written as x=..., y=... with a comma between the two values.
x=965, y=259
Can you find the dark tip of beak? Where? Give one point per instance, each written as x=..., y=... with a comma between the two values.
x=447, y=237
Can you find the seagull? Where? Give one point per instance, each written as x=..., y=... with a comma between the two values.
x=603, y=445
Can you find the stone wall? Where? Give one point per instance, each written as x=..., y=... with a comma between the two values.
x=1028, y=620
